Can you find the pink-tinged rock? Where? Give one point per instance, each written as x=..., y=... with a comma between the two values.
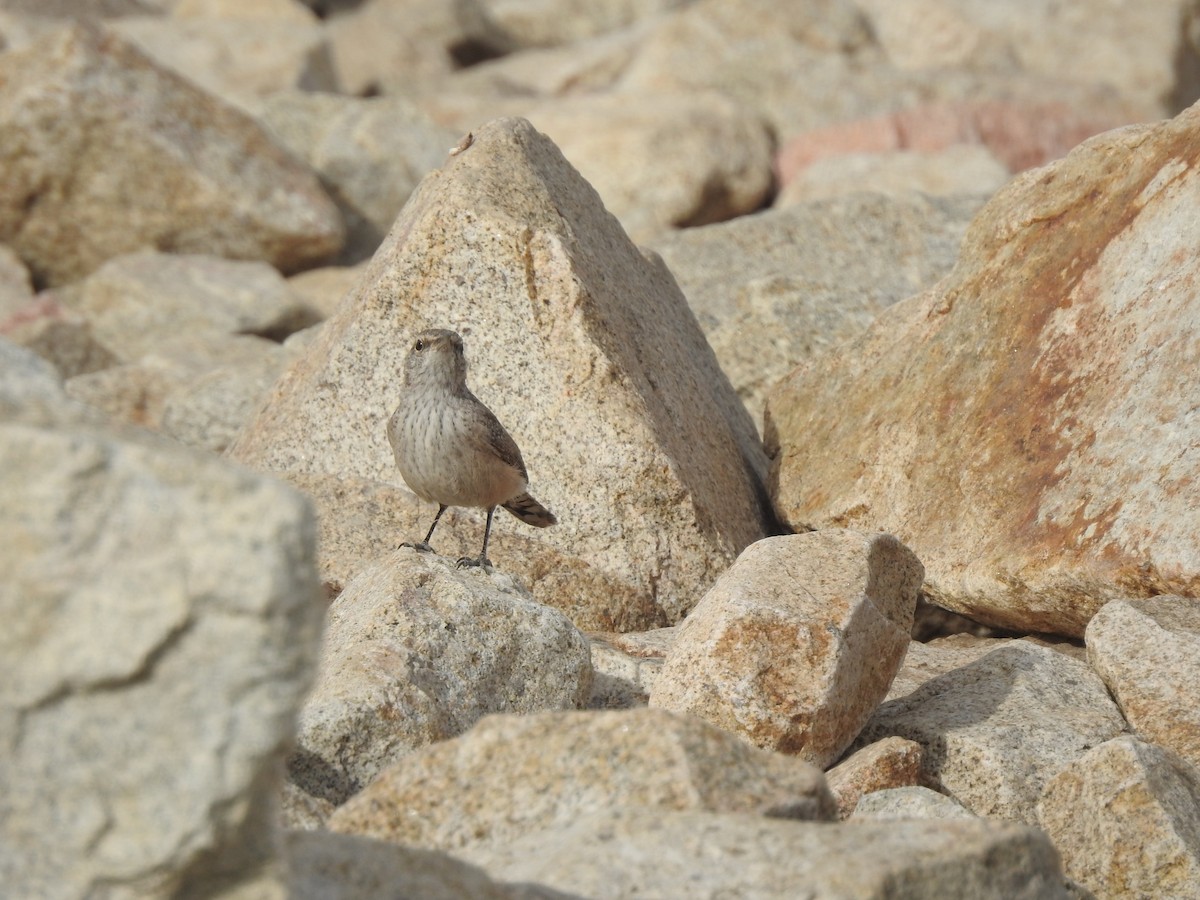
x=795, y=645
x=892, y=763
x=1029, y=425
x=1022, y=135
x=104, y=153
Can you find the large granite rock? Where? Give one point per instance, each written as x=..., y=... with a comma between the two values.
x=1026, y=425
x=161, y=627
x=416, y=651
x=1148, y=653
x=776, y=288
x=513, y=775
x=1126, y=818
x=994, y=731
x=584, y=348
x=795, y=645
x=632, y=853
x=94, y=133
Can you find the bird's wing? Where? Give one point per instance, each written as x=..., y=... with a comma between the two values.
x=493, y=439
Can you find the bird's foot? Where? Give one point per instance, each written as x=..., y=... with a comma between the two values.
x=481, y=562
x=419, y=546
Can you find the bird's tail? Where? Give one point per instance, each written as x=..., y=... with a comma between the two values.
x=530, y=511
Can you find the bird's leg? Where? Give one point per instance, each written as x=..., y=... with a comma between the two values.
x=483, y=562
x=423, y=546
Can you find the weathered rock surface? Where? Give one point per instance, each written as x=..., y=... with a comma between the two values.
x=581, y=345
x=138, y=303
x=623, y=679
x=1021, y=134
x=512, y=775
x=405, y=46
x=241, y=60
x=326, y=866
x=370, y=153
x=926, y=661
x=1015, y=425
x=94, y=133
x=993, y=732
x=913, y=802
x=1148, y=653
x=322, y=289
x=200, y=388
x=961, y=169
x=162, y=625
x=1126, y=818
x=548, y=23
x=627, y=853
x=417, y=651
x=16, y=289
x=59, y=335
x=663, y=160
x=774, y=289
x=795, y=645
x=892, y=763
x=1126, y=49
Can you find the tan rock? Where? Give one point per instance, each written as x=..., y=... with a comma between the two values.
x=959, y=169
x=663, y=160
x=402, y=46
x=623, y=679
x=161, y=628
x=200, y=388
x=773, y=289
x=1148, y=653
x=140, y=303
x=58, y=335
x=321, y=290
x=581, y=345
x=628, y=853
x=241, y=60
x=136, y=144
x=797, y=65
x=926, y=661
x=912, y=802
x=891, y=763
x=994, y=731
x=546, y=23
x=1126, y=819
x=512, y=775
x=370, y=153
x=16, y=289
x=271, y=10
x=514, y=84
x=325, y=866
x=1004, y=424
x=1133, y=51
x=795, y=645
x=417, y=651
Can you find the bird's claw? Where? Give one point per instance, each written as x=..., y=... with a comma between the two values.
x=419, y=546
x=481, y=562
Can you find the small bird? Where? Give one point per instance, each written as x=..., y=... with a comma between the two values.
x=451, y=449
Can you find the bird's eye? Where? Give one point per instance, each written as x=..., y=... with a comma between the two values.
x=419, y=345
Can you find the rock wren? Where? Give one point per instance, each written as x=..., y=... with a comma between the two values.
x=451, y=449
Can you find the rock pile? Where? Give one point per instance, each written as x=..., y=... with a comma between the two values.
x=804, y=314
